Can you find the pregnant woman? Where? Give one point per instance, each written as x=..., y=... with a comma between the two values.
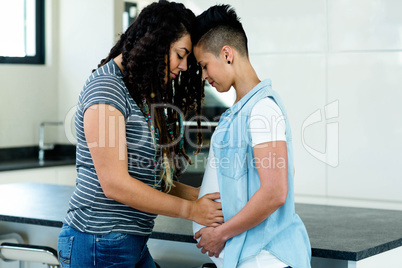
x=251, y=157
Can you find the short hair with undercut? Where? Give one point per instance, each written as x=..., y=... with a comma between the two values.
x=218, y=26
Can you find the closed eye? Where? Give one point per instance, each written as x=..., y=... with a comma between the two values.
x=180, y=57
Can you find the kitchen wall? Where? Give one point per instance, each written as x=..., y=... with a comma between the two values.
x=87, y=33
x=28, y=93
x=336, y=64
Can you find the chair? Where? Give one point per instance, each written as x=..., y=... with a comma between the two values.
x=29, y=253
x=11, y=238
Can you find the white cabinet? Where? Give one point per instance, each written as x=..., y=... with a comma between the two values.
x=66, y=175
x=63, y=175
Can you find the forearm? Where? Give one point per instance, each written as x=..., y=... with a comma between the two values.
x=184, y=191
x=138, y=195
x=257, y=209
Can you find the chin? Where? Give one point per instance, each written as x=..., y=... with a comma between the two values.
x=222, y=90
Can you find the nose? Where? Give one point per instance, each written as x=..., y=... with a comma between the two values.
x=204, y=74
x=183, y=65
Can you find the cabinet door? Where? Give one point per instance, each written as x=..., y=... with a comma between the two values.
x=42, y=175
x=66, y=175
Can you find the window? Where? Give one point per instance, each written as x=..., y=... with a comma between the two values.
x=22, y=31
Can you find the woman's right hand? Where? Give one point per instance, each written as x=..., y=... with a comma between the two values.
x=206, y=211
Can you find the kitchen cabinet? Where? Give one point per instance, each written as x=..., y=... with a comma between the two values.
x=62, y=175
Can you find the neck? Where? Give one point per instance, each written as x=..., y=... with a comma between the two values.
x=118, y=61
x=245, y=78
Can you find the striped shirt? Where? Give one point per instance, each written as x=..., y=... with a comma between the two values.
x=90, y=210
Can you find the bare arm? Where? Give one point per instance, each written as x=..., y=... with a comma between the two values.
x=104, y=129
x=266, y=200
x=184, y=191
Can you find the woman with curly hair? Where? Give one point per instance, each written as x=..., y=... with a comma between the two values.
x=130, y=144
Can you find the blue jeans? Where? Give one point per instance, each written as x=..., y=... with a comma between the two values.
x=76, y=249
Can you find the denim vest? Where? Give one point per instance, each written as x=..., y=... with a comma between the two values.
x=283, y=233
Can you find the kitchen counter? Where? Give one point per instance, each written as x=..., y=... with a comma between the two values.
x=34, y=163
x=339, y=233
x=27, y=157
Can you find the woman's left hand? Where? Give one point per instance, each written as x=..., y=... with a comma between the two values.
x=211, y=241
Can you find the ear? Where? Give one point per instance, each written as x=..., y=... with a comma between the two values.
x=227, y=54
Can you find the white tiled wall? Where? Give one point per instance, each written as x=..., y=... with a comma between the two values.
x=348, y=53
x=368, y=87
x=365, y=25
x=300, y=79
x=285, y=26
x=86, y=36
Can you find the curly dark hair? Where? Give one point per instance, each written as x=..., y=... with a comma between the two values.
x=145, y=48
